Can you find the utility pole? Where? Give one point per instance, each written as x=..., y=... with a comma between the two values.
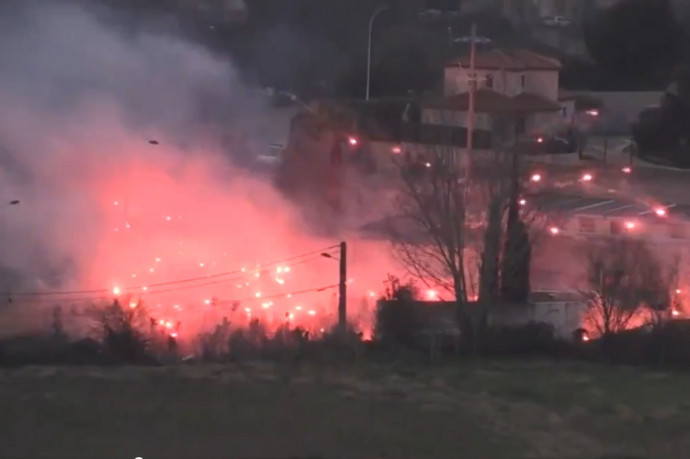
x=342, y=288
x=470, y=108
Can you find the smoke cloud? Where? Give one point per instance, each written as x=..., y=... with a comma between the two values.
x=103, y=207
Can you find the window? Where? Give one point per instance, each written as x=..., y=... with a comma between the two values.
x=523, y=80
x=616, y=228
x=587, y=225
x=490, y=81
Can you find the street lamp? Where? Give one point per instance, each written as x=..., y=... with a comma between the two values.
x=378, y=11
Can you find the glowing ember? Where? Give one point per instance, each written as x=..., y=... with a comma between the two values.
x=630, y=225
x=678, y=291
x=431, y=295
x=627, y=170
x=587, y=177
x=116, y=291
x=554, y=230
x=352, y=141
x=522, y=202
x=396, y=150
x=536, y=178
x=660, y=211
x=675, y=313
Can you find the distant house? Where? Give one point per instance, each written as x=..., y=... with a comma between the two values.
x=517, y=93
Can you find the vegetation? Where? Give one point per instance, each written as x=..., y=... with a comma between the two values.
x=517, y=409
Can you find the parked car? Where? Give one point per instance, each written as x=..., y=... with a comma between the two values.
x=558, y=21
x=477, y=40
x=554, y=143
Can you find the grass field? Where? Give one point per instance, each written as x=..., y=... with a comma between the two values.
x=501, y=410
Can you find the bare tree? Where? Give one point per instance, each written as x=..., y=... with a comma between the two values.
x=456, y=236
x=626, y=283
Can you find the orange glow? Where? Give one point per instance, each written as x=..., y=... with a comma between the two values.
x=540, y=140
x=675, y=313
x=535, y=178
x=585, y=337
x=587, y=177
x=522, y=202
x=396, y=150
x=352, y=141
x=554, y=230
x=660, y=211
x=431, y=295
x=678, y=291
x=627, y=170
x=116, y=291
x=630, y=225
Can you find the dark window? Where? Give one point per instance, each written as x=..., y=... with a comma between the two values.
x=490, y=81
x=523, y=80
x=587, y=225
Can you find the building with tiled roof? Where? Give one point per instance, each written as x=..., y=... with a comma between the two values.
x=517, y=89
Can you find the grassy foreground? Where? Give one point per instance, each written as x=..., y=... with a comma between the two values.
x=501, y=410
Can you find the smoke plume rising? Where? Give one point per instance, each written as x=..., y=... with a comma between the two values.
x=115, y=145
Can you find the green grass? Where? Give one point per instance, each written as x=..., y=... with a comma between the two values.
x=526, y=409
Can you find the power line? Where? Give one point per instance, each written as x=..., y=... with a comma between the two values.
x=241, y=300
x=145, y=288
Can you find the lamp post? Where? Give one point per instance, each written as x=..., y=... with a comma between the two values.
x=378, y=11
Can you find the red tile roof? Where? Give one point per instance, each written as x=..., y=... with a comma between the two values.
x=488, y=101
x=513, y=59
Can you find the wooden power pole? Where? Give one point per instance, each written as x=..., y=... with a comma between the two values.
x=472, y=79
x=342, y=288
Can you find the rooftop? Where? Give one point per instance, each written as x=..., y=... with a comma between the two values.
x=488, y=101
x=508, y=59
x=606, y=206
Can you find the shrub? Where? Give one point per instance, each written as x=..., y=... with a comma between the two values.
x=533, y=339
x=121, y=333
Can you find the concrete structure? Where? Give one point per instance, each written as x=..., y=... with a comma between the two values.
x=518, y=93
x=564, y=311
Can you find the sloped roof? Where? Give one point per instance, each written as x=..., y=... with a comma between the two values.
x=529, y=102
x=564, y=94
x=485, y=101
x=488, y=101
x=508, y=59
